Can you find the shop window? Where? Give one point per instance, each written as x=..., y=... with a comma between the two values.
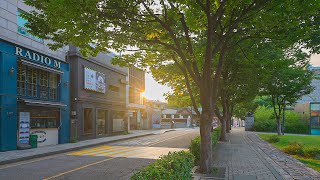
x=87, y=121
x=117, y=121
x=21, y=80
x=44, y=119
x=32, y=82
x=44, y=84
x=23, y=30
x=101, y=121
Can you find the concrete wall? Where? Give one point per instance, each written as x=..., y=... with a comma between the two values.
x=9, y=29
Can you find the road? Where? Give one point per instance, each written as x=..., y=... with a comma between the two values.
x=118, y=160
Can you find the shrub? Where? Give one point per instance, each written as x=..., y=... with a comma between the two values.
x=294, y=148
x=311, y=152
x=195, y=149
x=273, y=139
x=215, y=135
x=294, y=123
x=195, y=143
x=175, y=165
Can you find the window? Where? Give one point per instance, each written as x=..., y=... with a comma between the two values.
x=21, y=80
x=87, y=121
x=176, y=116
x=53, y=87
x=114, y=88
x=44, y=84
x=37, y=83
x=32, y=82
x=22, y=29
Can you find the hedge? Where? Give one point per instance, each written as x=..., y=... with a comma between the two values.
x=195, y=144
x=265, y=121
x=175, y=165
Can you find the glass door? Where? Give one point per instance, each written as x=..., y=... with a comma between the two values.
x=101, y=121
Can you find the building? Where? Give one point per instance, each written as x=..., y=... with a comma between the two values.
x=136, y=107
x=98, y=98
x=34, y=84
x=153, y=109
x=309, y=105
x=179, y=116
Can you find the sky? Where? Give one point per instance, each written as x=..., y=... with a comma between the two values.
x=155, y=90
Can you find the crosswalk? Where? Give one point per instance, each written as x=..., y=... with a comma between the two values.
x=126, y=151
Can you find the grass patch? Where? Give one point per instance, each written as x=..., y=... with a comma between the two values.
x=311, y=141
x=313, y=163
x=308, y=145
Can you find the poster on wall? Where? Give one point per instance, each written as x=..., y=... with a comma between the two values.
x=94, y=80
x=24, y=127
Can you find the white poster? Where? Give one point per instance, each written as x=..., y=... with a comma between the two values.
x=89, y=79
x=24, y=127
x=94, y=80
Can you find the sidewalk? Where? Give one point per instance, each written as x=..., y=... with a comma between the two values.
x=245, y=156
x=20, y=155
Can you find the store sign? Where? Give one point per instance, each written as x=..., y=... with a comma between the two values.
x=38, y=58
x=315, y=107
x=94, y=80
x=24, y=127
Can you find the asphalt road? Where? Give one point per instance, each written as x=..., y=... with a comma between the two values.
x=118, y=160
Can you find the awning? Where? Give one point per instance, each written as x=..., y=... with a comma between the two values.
x=33, y=102
x=39, y=66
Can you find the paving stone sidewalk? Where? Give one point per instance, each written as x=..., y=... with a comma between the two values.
x=20, y=155
x=245, y=156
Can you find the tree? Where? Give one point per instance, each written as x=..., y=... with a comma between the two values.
x=288, y=81
x=193, y=35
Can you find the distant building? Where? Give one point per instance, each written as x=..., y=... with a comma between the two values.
x=309, y=105
x=153, y=109
x=135, y=100
x=179, y=116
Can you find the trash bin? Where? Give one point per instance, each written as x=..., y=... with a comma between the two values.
x=33, y=139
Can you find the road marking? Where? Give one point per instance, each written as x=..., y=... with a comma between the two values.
x=81, y=167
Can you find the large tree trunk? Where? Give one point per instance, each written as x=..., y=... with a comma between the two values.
x=223, y=135
x=228, y=124
x=279, y=126
x=206, y=143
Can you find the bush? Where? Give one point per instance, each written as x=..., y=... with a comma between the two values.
x=215, y=135
x=311, y=152
x=175, y=165
x=265, y=121
x=195, y=144
x=195, y=149
x=294, y=148
x=273, y=139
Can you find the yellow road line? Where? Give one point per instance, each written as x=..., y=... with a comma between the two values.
x=166, y=139
x=88, y=165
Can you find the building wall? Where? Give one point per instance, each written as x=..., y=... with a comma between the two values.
x=315, y=95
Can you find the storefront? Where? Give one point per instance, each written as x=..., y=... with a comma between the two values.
x=34, y=97
x=98, y=98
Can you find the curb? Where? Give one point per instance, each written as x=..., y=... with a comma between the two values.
x=68, y=150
